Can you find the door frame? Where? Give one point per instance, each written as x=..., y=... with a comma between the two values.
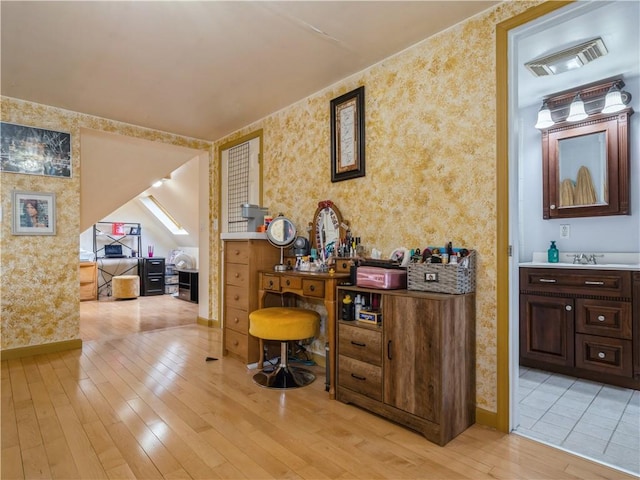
x=504, y=238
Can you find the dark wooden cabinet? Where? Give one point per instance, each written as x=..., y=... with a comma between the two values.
x=188, y=285
x=580, y=322
x=417, y=367
x=151, y=271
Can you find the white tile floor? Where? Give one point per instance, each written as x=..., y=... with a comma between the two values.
x=594, y=420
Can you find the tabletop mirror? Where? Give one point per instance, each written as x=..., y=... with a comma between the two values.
x=281, y=233
x=586, y=163
x=327, y=228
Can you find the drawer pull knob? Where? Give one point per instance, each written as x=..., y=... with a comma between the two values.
x=312, y=288
x=358, y=377
x=237, y=275
x=601, y=318
x=547, y=280
x=236, y=252
x=568, y=308
x=236, y=297
x=589, y=282
x=236, y=320
x=235, y=343
x=344, y=264
x=288, y=283
x=357, y=344
x=601, y=355
x=270, y=283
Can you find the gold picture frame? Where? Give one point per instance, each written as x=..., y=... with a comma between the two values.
x=347, y=136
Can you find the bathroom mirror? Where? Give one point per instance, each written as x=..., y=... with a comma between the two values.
x=586, y=167
x=281, y=233
x=327, y=227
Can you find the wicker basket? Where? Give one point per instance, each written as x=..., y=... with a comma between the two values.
x=443, y=278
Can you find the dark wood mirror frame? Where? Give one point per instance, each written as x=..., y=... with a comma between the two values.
x=615, y=128
x=326, y=207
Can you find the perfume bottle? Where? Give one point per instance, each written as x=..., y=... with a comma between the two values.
x=553, y=255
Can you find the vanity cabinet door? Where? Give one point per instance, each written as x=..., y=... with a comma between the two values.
x=546, y=330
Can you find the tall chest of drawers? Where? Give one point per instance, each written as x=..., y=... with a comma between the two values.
x=243, y=259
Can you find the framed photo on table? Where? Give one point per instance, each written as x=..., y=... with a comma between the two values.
x=347, y=136
x=33, y=213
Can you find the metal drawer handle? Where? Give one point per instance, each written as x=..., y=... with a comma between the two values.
x=389, y=349
x=288, y=283
x=270, y=283
x=601, y=318
x=601, y=355
x=588, y=282
x=547, y=280
x=357, y=344
x=357, y=377
x=568, y=308
x=312, y=288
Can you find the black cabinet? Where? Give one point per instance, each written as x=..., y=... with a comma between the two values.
x=188, y=285
x=151, y=271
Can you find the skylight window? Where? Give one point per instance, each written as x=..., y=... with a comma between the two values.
x=163, y=215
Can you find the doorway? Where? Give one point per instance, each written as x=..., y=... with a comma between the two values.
x=593, y=420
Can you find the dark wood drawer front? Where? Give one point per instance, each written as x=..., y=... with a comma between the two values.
x=237, y=274
x=360, y=344
x=612, y=283
x=360, y=377
x=313, y=288
x=605, y=355
x=605, y=318
x=237, y=320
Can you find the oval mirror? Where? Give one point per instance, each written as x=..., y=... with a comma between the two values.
x=281, y=233
x=327, y=228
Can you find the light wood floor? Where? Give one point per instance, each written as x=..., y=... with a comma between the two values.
x=145, y=404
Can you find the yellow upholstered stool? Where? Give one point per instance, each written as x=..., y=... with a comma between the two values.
x=284, y=324
x=125, y=286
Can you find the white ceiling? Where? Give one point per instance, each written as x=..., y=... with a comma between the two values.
x=202, y=69
x=617, y=24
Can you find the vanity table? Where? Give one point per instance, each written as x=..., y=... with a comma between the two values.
x=314, y=285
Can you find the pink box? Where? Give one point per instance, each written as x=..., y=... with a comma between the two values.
x=383, y=278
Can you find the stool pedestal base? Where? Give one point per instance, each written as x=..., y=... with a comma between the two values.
x=284, y=377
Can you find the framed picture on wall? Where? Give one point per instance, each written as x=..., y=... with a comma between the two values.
x=33, y=213
x=347, y=136
x=34, y=151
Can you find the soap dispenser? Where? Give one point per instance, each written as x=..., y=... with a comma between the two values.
x=553, y=255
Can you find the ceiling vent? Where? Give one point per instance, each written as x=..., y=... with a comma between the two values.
x=569, y=59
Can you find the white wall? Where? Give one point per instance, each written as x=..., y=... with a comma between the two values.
x=618, y=233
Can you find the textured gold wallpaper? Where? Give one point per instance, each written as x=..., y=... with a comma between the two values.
x=39, y=285
x=430, y=159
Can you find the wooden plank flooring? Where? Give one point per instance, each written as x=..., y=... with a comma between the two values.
x=140, y=401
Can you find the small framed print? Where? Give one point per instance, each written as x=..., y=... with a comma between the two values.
x=33, y=213
x=347, y=136
x=134, y=231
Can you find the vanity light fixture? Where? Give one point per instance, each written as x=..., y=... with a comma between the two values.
x=576, y=110
x=613, y=101
x=544, y=117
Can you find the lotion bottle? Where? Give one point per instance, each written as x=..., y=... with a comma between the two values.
x=553, y=255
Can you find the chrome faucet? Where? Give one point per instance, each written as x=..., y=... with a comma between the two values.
x=584, y=259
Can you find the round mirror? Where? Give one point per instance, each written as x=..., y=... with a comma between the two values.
x=281, y=233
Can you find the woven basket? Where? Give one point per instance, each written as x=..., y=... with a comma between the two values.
x=443, y=278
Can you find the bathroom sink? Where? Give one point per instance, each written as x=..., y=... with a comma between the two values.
x=606, y=261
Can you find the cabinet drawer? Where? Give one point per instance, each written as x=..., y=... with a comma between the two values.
x=605, y=355
x=271, y=282
x=237, y=320
x=237, y=274
x=88, y=291
x=291, y=282
x=605, y=318
x=343, y=265
x=360, y=343
x=87, y=273
x=612, y=283
x=236, y=252
x=236, y=343
x=154, y=266
x=360, y=377
x=313, y=288
x=236, y=297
